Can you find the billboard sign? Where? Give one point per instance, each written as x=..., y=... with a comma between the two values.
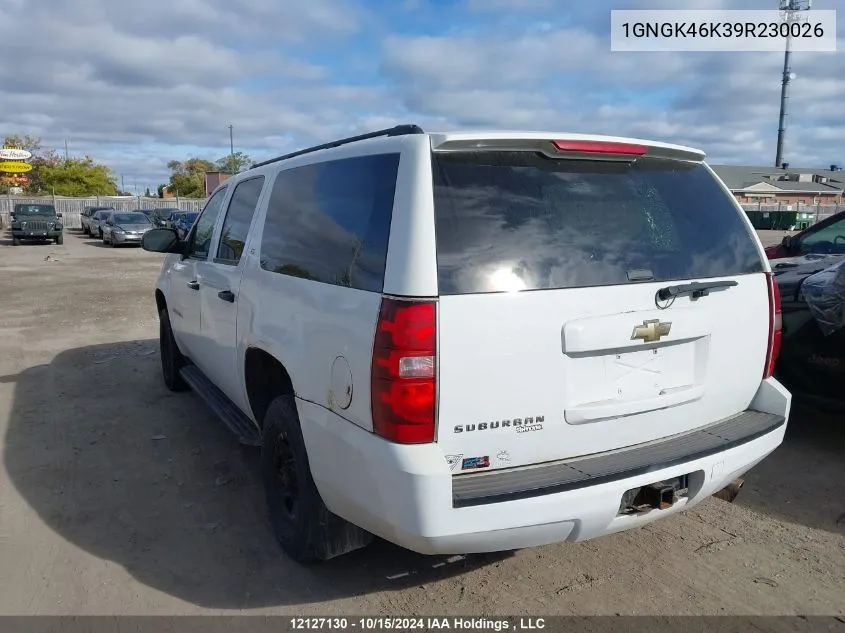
x=14, y=153
x=13, y=167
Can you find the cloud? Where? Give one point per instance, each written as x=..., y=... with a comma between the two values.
x=166, y=79
x=566, y=78
x=510, y=5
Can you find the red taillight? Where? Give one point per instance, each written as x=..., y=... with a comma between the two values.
x=775, y=326
x=600, y=147
x=403, y=384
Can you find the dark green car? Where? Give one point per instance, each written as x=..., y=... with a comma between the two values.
x=36, y=222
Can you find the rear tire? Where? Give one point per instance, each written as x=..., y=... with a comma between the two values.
x=171, y=358
x=306, y=530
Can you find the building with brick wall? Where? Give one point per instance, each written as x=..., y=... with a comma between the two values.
x=214, y=179
x=787, y=185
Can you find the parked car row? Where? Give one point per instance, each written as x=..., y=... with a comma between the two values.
x=128, y=227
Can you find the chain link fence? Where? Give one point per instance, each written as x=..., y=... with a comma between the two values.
x=71, y=208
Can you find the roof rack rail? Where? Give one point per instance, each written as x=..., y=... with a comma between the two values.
x=399, y=130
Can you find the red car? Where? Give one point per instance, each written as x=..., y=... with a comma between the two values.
x=825, y=238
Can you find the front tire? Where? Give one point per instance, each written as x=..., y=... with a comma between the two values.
x=16, y=241
x=60, y=238
x=305, y=529
x=171, y=358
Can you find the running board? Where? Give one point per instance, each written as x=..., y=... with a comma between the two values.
x=232, y=417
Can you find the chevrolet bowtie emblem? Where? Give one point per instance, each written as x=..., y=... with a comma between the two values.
x=651, y=331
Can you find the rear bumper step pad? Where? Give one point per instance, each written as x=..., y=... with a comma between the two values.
x=580, y=472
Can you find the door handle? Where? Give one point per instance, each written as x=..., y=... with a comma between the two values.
x=227, y=295
x=194, y=285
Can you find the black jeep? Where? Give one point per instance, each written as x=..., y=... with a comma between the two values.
x=36, y=222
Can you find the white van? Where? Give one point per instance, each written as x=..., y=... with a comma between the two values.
x=477, y=341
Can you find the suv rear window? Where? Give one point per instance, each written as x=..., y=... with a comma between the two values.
x=521, y=221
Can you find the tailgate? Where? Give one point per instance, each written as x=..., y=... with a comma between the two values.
x=553, y=340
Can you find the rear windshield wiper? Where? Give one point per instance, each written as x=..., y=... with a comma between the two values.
x=698, y=289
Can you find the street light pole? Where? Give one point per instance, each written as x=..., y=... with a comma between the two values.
x=791, y=7
x=231, y=150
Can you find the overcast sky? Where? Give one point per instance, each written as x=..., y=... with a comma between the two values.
x=135, y=84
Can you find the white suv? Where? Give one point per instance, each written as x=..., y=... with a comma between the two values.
x=477, y=341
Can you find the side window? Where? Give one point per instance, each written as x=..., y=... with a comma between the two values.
x=204, y=228
x=330, y=222
x=830, y=239
x=237, y=221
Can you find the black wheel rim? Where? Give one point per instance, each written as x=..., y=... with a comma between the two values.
x=284, y=466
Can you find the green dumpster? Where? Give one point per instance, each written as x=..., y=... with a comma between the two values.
x=773, y=220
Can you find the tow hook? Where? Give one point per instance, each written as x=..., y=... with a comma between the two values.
x=729, y=492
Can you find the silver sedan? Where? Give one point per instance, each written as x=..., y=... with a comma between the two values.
x=125, y=228
x=96, y=221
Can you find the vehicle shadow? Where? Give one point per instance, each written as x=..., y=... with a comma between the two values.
x=803, y=481
x=149, y=479
x=96, y=242
x=6, y=240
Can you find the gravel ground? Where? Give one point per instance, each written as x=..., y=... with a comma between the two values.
x=119, y=497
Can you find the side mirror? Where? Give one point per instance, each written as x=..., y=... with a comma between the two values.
x=787, y=242
x=162, y=241
x=58, y=215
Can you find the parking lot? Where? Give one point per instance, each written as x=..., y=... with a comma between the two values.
x=119, y=497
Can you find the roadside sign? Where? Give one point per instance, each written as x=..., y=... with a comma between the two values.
x=13, y=167
x=14, y=153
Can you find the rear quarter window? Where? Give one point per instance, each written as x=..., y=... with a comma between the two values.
x=330, y=222
x=522, y=221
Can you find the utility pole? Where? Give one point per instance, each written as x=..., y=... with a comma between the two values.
x=122, y=186
x=791, y=7
x=65, y=150
x=231, y=150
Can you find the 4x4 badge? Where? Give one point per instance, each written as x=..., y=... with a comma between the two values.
x=651, y=331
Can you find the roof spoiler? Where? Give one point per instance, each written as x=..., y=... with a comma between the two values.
x=566, y=146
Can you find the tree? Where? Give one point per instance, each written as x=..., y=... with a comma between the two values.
x=77, y=177
x=148, y=193
x=160, y=190
x=187, y=179
x=27, y=142
x=234, y=164
x=52, y=174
